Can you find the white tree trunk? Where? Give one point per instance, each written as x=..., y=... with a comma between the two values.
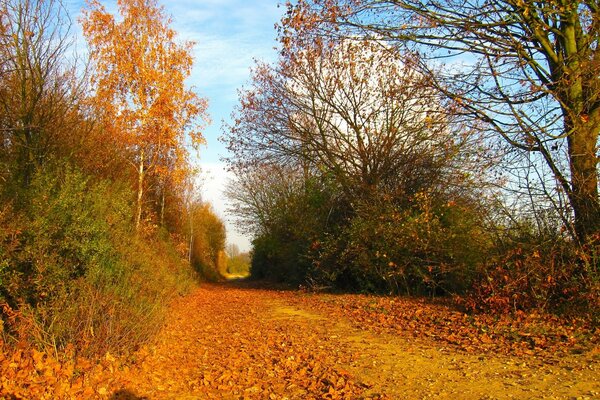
x=140, y=194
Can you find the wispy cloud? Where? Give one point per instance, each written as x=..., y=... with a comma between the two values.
x=229, y=35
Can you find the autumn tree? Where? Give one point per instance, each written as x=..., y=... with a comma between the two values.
x=356, y=110
x=140, y=92
x=39, y=88
x=207, y=240
x=524, y=70
x=332, y=135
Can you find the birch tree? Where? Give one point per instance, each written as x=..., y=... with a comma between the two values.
x=139, y=80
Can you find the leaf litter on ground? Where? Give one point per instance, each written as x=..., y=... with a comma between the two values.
x=245, y=342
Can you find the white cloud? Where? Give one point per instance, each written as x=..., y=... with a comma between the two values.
x=222, y=62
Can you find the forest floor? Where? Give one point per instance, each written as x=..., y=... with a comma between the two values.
x=239, y=341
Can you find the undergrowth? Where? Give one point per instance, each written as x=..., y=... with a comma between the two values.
x=74, y=271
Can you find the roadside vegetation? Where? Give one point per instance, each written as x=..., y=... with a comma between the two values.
x=433, y=148
x=431, y=163
x=100, y=225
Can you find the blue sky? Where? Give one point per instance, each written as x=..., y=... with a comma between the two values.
x=229, y=35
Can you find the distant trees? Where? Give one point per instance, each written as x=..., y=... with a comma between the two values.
x=139, y=73
x=238, y=263
x=524, y=70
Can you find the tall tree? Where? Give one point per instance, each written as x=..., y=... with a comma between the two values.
x=356, y=110
x=526, y=69
x=139, y=79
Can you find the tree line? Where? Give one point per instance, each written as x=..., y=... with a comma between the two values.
x=100, y=214
x=427, y=147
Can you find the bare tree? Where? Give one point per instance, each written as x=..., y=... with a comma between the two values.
x=260, y=193
x=355, y=110
x=527, y=70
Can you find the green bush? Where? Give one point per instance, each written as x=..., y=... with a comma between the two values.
x=72, y=264
x=295, y=224
x=65, y=230
x=431, y=247
x=279, y=257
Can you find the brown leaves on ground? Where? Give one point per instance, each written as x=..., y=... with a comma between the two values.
x=522, y=334
x=224, y=343
x=227, y=342
x=26, y=373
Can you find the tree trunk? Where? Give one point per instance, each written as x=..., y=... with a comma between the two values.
x=162, y=206
x=584, y=181
x=140, y=194
x=191, y=241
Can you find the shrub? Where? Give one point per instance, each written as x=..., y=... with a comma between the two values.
x=552, y=274
x=279, y=256
x=64, y=232
x=75, y=269
x=298, y=218
x=429, y=247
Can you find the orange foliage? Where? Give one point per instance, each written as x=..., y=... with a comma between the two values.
x=228, y=342
x=140, y=92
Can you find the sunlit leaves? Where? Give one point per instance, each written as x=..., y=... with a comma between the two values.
x=139, y=79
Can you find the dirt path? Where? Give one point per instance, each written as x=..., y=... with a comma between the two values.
x=227, y=342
